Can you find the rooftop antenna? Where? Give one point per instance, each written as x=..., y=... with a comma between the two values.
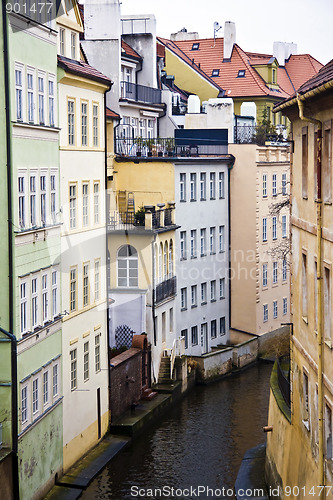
x=217, y=28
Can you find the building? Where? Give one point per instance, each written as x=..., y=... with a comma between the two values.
x=299, y=449
x=84, y=346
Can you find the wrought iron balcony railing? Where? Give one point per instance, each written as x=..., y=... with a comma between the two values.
x=256, y=134
x=165, y=289
x=141, y=93
x=133, y=221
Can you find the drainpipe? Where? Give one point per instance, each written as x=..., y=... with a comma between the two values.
x=320, y=343
x=14, y=398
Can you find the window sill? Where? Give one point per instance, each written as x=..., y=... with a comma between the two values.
x=327, y=203
x=183, y=258
x=182, y=201
x=193, y=257
x=183, y=309
x=213, y=300
x=305, y=319
x=222, y=298
x=202, y=199
x=194, y=306
x=328, y=342
x=306, y=425
x=203, y=303
x=192, y=200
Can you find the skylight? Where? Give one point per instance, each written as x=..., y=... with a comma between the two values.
x=195, y=46
x=216, y=72
x=241, y=73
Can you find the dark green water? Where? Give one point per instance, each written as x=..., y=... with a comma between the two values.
x=201, y=442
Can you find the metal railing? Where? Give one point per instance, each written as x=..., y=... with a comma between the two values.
x=165, y=289
x=131, y=221
x=141, y=93
x=256, y=134
x=283, y=381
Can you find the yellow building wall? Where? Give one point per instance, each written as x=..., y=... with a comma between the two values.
x=188, y=79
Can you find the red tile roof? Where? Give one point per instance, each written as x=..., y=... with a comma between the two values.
x=302, y=67
x=112, y=114
x=83, y=69
x=324, y=75
x=128, y=51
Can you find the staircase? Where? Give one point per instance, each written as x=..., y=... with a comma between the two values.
x=148, y=394
x=122, y=203
x=130, y=203
x=164, y=372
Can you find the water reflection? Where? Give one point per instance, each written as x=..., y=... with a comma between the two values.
x=200, y=442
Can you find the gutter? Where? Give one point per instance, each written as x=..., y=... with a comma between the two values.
x=303, y=97
x=320, y=343
x=14, y=398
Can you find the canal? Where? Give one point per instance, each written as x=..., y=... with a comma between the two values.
x=200, y=442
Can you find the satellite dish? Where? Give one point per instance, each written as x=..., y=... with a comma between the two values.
x=216, y=26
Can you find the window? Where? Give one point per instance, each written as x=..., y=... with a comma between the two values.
x=221, y=239
x=183, y=298
x=194, y=335
x=171, y=258
x=23, y=307
x=213, y=332
x=193, y=244
x=212, y=187
x=305, y=162
x=203, y=293
x=222, y=326
x=304, y=287
x=55, y=377
x=24, y=404
x=33, y=200
x=160, y=263
x=195, y=46
x=51, y=103
x=194, y=296
x=221, y=185
x=85, y=204
x=95, y=125
x=275, y=309
x=165, y=260
x=183, y=334
x=73, y=289
x=84, y=123
x=72, y=206
x=43, y=199
x=73, y=45
x=328, y=432
x=96, y=202
x=264, y=275
x=55, y=311
x=264, y=185
x=241, y=73
x=284, y=226
x=85, y=285
x=62, y=41
x=213, y=291
x=21, y=201
x=193, y=187
x=71, y=122
x=273, y=75
x=274, y=185
x=46, y=387
x=306, y=420
x=212, y=242
x=45, y=301
x=182, y=245
x=41, y=100
x=19, y=94
x=35, y=396
x=202, y=186
x=264, y=229
x=73, y=355
x=128, y=266
x=284, y=183
x=327, y=303
x=53, y=198
x=275, y=273
x=97, y=353
x=202, y=242
x=327, y=161
x=34, y=303
x=265, y=313
x=274, y=228
x=31, y=104
x=97, y=280
x=222, y=288
x=216, y=72
x=182, y=187
x=86, y=361
x=284, y=306
x=284, y=270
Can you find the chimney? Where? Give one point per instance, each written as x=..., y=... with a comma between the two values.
x=102, y=19
x=184, y=35
x=283, y=50
x=229, y=38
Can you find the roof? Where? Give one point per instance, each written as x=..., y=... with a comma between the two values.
x=83, y=69
x=128, y=51
x=112, y=114
x=324, y=75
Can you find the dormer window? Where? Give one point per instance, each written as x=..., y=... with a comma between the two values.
x=216, y=72
x=195, y=46
x=241, y=73
x=273, y=75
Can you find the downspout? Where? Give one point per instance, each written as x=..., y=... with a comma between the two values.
x=320, y=343
x=14, y=398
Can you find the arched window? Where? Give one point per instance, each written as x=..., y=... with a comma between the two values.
x=171, y=258
x=166, y=260
x=127, y=261
x=160, y=263
x=155, y=264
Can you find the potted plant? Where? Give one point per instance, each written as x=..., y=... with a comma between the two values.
x=139, y=145
x=149, y=143
x=169, y=146
x=139, y=217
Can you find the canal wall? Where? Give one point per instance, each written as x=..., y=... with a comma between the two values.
x=6, y=474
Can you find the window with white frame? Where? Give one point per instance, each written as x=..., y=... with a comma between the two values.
x=284, y=226
x=23, y=307
x=264, y=185
x=274, y=185
x=41, y=100
x=264, y=229
x=35, y=396
x=222, y=325
x=284, y=183
x=45, y=388
x=73, y=358
x=72, y=206
x=45, y=300
x=96, y=202
x=19, y=93
x=221, y=185
x=183, y=334
x=274, y=228
x=71, y=122
x=182, y=245
x=62, y=41
x=203, y=186
x=33, y=218
x=194, y=296
x=97, y=353
x=95, y=126
x=221, y=238
x=73, y=45
x=193, y=186
x=31, y=98
x=53, y=195
x=85, y=204
x=171, y=258
x=194, y=335
x=213, y=290
x=55, y=380
x=86, y=361
x=213, y=332
x=24, y=404
x=275, y=309
x=212, y=186
x=34, y=302
x=72, y=290
x=55, y=309
x=42, y=180
x=193, y=243
x=275, y=272
x=212, y=240
x=222, y=288
x=85, y=285
x=165, y=260
x=203, y=242
x=264, y=275
x=306, y=419
x=284, y=306
x=265, y=312
x=150, y=128
x=21, y=201
x=97, y=280
x=183, y=298
x=51, y=102
x=203, y=293
x=182, y=187
x=84, y=124
x=284, y=270
x=160, y=263
x=127, y=264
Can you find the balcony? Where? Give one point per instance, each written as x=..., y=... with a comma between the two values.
x=144, y=219
x=165, y=290
x=140, y=93
x=256, y=134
